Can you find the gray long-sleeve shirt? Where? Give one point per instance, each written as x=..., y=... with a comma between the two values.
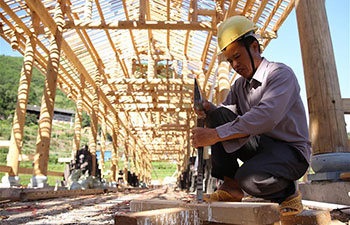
x=268, y=104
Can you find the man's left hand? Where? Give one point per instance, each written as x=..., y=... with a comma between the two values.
x=204, y=137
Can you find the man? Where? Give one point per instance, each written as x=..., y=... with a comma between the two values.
x=262, y=122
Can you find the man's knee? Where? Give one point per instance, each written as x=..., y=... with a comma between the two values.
x=260, y=184
x=220, y=116
x=255, y=183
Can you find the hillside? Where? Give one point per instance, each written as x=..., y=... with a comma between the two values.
x=9, y=78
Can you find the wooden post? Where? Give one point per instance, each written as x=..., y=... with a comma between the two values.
x=114, y=163
x=223, y=82
x=94, y=123
x=126, y=161
x=327, y=124
x=48, y=100
x=103, y=140
x=16, y=140
x=78, y=117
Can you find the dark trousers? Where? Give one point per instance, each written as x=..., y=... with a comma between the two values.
x=270, y=167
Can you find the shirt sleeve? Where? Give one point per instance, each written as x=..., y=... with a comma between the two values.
x=279, y=95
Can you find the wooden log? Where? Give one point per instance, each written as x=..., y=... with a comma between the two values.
x=327, y=124
x=178, y=216
x=220, y=212
x=48, y=100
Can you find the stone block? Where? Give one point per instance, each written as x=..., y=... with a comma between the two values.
x=170, y=216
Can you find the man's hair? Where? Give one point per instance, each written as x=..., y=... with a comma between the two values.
x=249, y=40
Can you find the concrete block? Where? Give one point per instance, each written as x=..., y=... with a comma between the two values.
x=330, y=192
x=178, y=216
x=308, y=217
x=219, y=212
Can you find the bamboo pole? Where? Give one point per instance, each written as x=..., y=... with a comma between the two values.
x=48, y=100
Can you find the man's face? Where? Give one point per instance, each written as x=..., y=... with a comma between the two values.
x=237, y=55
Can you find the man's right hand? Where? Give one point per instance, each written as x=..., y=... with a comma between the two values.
x=206, y=107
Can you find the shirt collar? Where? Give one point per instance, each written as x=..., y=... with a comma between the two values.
x=258, y=75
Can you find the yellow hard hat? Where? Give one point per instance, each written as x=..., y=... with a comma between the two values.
x=232, y=29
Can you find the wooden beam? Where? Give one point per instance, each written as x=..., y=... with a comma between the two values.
x=346, y=105
x=156, y=25
x=164, y=110
x=156, y=81
x=116, y=51
x=260, y=10
x=206, y=12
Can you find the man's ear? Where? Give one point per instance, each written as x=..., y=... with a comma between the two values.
x=255, y=46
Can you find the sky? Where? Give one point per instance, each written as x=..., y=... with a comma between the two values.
x=286, y=48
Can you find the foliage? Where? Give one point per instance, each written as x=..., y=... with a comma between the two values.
x=9, y=78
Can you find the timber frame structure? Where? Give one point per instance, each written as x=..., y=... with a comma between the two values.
x=130, y=65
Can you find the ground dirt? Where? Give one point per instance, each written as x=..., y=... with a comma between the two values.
x=94, y=209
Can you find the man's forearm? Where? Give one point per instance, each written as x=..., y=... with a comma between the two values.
x=234, y=136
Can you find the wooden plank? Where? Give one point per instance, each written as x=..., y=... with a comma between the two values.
x=6, y=169
x=220, y=212
x=21, y=170
x=178, y=216
x=36, y=195
x=157, y=25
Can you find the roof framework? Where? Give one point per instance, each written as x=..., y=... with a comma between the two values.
x=146, y=53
